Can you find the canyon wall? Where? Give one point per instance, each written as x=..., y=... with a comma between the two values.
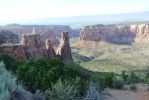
x=8, y=37
x=120, y=34
x=26, y=29
x=33, y=46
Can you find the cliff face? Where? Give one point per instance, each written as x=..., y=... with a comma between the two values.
x=50, y=35
x=8, y=37
x=33, y=46
x=25, y=29
x=64, y=50
x=14, y=50
x=115, y=33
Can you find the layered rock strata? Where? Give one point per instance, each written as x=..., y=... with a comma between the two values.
x=116, y=33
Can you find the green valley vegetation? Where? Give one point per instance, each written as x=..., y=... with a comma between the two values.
x=61, y=81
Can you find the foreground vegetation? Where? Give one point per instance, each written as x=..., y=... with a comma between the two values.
x=60, y=81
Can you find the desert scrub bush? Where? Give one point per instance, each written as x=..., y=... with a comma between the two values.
x=93, y=93
x=132, y=78
x=133, y=87
x=39, y=74
x=147, y=78
x=10, y=63
x=62, y=90
x=124, y=76
x=117, y=82
x=7, y=84
x=105, y=79
x=10, y=90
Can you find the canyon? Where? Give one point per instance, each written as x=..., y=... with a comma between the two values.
x=35, y=46
x=119, y=34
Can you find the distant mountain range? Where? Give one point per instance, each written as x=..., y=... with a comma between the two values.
x=79, y=21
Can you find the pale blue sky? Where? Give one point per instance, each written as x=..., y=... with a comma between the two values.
x=14, y=10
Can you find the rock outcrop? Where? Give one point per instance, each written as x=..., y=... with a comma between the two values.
x=126, y=34
x=32, y=46
x=8, y=37
x=14, y=50
x=50, y=51
x=64, y=50
x=50, y=35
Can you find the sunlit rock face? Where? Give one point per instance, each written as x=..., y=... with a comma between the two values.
x=50, y=35
x=34, y=46
x=121, y=34
x=64, y=50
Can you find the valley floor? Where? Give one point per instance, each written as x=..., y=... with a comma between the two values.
x=112, y=57
x=142, y=93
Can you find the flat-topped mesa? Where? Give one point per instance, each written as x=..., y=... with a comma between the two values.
x=115, y=33
x=64, y=50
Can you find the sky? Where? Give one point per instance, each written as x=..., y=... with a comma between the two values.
x=17, y=10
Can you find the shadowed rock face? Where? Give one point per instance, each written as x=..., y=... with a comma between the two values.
x=50, y=50
x=64, y=50
x=116, y=33
x=8, y=37
x=33, y=46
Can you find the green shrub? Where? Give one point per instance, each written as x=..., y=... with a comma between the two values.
x=147, y=78
x=10, y=90
x=93, y=93
x=105, y=79
x=10, y=63
x=39, y=74
x=62, y=90
x=117, y=83
x=133, y=87
x=132, y=78
x=124, y=76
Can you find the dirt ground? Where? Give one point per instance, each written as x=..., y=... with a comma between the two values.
x=141, y=93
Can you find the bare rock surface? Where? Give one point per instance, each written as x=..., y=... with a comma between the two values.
x=51, y=35
x=50, y=50
x=8, y=37
x=64, y=50
x=33, y=46
x=121, y=34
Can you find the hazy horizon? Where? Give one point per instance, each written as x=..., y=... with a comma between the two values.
x=20, y=11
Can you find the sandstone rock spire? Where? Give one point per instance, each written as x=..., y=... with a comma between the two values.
x=64, y=50
x=50, y=50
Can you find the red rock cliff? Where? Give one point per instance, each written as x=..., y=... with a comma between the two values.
x=64, y=50
x=115, y=33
